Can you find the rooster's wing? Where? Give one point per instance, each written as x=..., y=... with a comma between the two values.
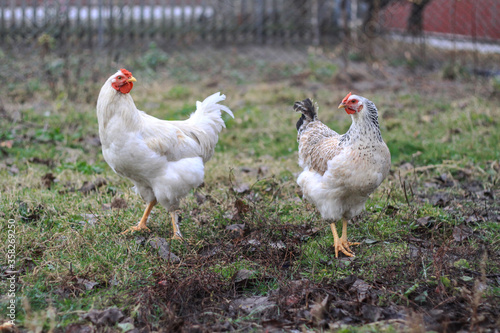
x=166, y=139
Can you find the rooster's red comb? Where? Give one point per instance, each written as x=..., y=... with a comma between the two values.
x=126, y=72
x=346, y=98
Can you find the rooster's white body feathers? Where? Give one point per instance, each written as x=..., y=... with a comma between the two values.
x=164, y=159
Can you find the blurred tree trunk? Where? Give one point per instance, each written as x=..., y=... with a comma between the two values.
x=416, y=18
x=300, y=7
x=370, y=21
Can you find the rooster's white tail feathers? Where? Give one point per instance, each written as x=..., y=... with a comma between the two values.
x=208, y=120
x=210, y=104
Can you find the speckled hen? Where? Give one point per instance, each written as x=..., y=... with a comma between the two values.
x=341, y=171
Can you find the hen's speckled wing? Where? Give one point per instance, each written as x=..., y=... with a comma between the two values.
x=317, y=145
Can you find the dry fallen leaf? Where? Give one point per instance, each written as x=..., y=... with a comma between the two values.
x=79, y=328
x=87, y=283
x=88, y=187
x=119, y=203
x=243, y=275
x=425, y=221
x=236, y=230
x=107, y=317
x=440, y=199
x=14, y=169
x=319, y=310
x=200, y=198
x=361, y=288
x=255, y=304
x=241, y=207
x=461, y=233
x=242, y=188
x=163, y=248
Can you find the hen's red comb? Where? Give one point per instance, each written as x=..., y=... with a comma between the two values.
x=346, y=98
x=126, y=72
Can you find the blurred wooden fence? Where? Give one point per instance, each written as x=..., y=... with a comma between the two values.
x=373, y=28
x=104, y=22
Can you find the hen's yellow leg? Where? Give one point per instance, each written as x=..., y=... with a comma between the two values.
x=175, y=225
x=341, y=243
x=142, y=223
x=343, y=239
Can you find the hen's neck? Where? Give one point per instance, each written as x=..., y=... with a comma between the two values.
x=364, y=127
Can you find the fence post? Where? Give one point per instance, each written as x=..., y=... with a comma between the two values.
x=77, y=23
x=259, y=20
x=474, y=34
x=141, y=21
x=152, y=28
x=163, y=25
x=346, y=42
x=315, y=22
x=121, y=21
x=111, y=25
x=2, y=19
x=171, y=33
x=23, y=18
x=89, y=23
x=100, y=28
x=35, y=23
x=12, y=15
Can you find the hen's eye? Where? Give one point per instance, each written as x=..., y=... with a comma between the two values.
x=119, y=77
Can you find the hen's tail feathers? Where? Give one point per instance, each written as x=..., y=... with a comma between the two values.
x=208, y=118
x=308, y=110
x=306, y=107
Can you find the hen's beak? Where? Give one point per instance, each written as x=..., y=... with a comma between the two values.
x=131, y=79
x=342, y=105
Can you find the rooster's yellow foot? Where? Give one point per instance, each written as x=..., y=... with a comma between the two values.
x=178, y=236
x=136, y=228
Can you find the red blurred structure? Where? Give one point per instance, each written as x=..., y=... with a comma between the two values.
x=471, y=18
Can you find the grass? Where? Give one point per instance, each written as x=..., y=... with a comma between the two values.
x=71, y=257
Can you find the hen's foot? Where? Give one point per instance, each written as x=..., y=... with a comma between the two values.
x=136, y=228
x=344, y=246
x=341, y=243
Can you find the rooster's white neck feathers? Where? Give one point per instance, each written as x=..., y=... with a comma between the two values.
x=113, y=103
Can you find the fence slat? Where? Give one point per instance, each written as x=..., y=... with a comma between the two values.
x=89, y=24
x=152, y=27
x=172, y=20
x=2, y=20
x=163, y=24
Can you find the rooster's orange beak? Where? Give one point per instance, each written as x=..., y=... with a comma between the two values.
x=131, y=79
x=342, y=105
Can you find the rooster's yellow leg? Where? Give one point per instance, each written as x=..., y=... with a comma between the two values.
x=142, y=223
x=341, y=243
x=175, y=225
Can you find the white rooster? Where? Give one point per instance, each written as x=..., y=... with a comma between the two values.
x=164, y=159
x=341, y=171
